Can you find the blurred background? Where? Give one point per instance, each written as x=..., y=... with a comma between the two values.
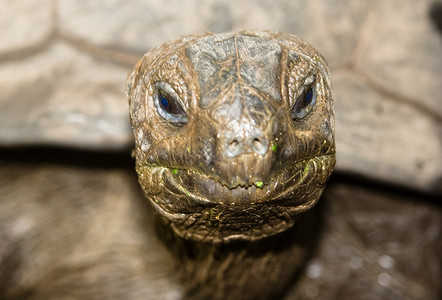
x=63, y=67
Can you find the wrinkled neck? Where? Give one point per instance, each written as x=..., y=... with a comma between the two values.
x=261, y=269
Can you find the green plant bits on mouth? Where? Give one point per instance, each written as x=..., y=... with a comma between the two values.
x=306, y=169
x=174, y=171
x=259, y=184
x=275, y=147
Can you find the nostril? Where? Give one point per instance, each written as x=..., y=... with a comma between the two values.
x=233, y=145
x=237, y=146
x=259, y=146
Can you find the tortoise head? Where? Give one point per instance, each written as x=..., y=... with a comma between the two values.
x=234, y=133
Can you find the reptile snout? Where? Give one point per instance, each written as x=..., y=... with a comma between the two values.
x=248, y=124
x=247, y=131
x=243, y=141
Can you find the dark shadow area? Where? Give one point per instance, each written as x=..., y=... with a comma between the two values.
x=67, y=156
x=377, y=185
x=435, y=14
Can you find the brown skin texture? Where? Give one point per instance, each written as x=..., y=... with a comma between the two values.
x=234, y=139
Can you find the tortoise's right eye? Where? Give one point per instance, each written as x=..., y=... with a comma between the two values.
x=168, y=104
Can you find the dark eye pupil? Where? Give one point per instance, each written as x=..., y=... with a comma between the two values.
x=165, y=103
x=304, y=101
x=308, y=96
x=304, y=104
x=168, y=104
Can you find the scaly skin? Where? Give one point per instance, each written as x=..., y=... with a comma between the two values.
x=244, y=153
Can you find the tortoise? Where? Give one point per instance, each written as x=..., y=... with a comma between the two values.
x=363, y=238
x=234, y=140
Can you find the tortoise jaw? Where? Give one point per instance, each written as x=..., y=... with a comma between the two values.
x=202, y=188
x=205, y=188
x=201, y=208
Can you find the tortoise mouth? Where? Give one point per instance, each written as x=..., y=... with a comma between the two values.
x=205, y=189
x=201, y=208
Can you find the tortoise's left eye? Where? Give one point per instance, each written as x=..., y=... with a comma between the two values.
x=168, y=105
x=305, y=102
